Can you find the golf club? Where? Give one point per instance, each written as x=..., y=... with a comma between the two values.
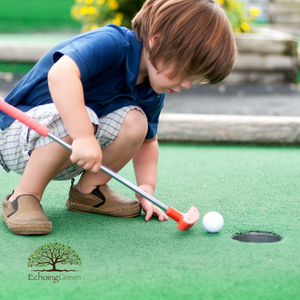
x=185, y=220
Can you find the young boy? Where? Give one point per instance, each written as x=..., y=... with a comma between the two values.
x=102, y=92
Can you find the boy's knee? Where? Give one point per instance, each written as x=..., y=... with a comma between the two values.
x=135, y=125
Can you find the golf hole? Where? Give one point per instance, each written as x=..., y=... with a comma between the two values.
x=257, y=237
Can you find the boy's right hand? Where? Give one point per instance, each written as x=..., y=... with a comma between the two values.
x=87, y=153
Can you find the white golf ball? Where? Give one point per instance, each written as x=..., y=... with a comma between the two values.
x=213, y=222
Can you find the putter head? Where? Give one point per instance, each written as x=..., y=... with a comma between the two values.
x=185, y=221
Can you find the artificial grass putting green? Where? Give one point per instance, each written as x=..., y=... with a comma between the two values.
x=254, y=188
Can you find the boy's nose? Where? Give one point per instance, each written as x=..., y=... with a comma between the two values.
x=186, y=83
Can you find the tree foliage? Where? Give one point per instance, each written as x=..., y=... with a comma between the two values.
x=53, y=254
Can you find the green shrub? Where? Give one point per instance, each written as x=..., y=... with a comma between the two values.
x=240, y=18
x=95, y=13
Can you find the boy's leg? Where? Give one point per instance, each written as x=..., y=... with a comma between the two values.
x=92, y=194
x=119, y=152
x=21, y=211
x=49, y=160
x=38, y=159
x=44, y=164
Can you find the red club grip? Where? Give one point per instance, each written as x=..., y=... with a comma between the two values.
x=23, y=118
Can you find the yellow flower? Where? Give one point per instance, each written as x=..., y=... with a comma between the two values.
x=118, y=19
x=254, y=11
x=92, y=10
x=221, y=1
x=84, y=10
x=245, y=27
x=119, y=16
x=74, y=12
x=113, y=4
x=100, y=2
x=88, y=2
x=94, y=27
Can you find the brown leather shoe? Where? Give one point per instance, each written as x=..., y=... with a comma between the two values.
x=25, y=216
x=105, y=201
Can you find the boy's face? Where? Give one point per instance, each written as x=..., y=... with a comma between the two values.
x=161, y=82
x=160, y=79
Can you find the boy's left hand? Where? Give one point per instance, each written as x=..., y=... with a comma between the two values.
x=148, y=207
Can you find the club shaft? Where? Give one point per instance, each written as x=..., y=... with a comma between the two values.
x=134, y=188
x=117, y=177
x=59, y=141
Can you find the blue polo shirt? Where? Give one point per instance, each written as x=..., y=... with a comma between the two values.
x=108, y=59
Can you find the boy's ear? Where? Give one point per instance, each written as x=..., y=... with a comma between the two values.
x=152, y=40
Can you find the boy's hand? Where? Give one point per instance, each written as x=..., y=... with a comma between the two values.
x=86, y=152
x=148, y=207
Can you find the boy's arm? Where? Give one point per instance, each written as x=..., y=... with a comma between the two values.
x=145, y=166
x=67, y=93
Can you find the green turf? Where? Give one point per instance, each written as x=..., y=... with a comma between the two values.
x=255, y=188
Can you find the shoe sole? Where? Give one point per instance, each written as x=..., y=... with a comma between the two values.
x=117, y=214
x=27, y=228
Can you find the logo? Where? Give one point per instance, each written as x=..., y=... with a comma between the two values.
x=54, y=257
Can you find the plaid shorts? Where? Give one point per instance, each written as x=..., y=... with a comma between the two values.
x=17, y=141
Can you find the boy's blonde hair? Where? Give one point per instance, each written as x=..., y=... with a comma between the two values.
x=193, y=35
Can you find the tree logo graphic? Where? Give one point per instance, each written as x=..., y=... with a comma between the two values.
x=52, y=255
